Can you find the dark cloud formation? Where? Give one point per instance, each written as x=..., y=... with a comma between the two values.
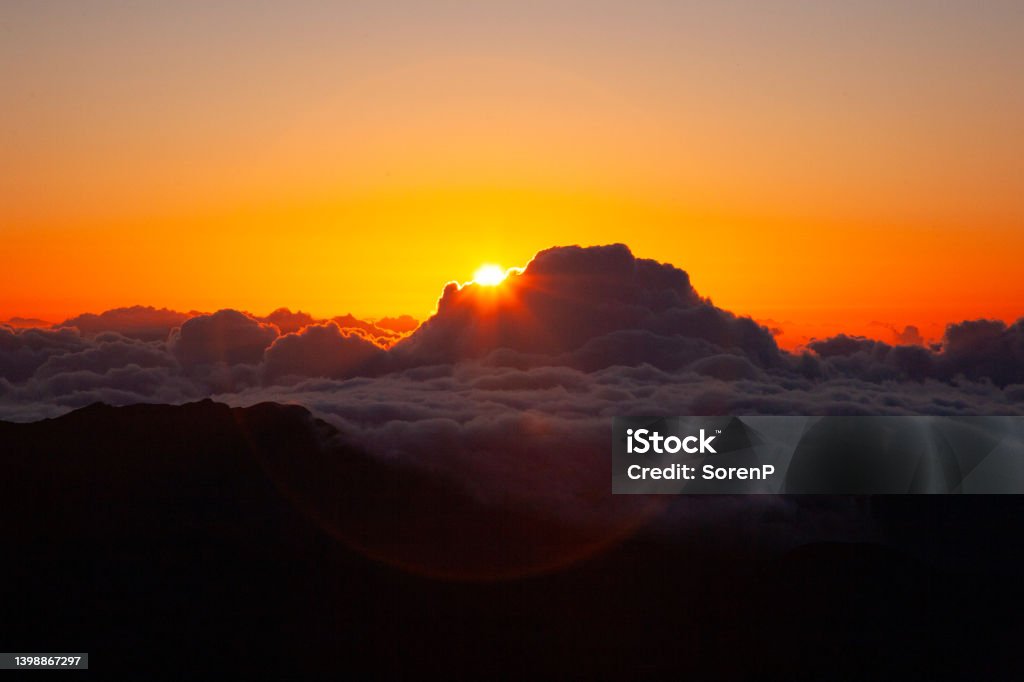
x=288, y=322
x=227, y=337
x=22, y=352
x=587, y=307
x=323, y=350
x=379, y=335
x=986, y=349
x=974, y=350
x=70, y=371
x=137, y=322
x=871, y=360
x=107, y=351
x=908, y=336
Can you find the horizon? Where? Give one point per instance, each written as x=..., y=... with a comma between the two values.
x=790, y=336
x=814, y=167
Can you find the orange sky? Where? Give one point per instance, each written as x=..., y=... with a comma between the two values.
x=821, y=166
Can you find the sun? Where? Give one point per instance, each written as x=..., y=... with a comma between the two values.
x=489, y=275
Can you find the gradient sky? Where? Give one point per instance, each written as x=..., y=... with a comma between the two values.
x=819, y=165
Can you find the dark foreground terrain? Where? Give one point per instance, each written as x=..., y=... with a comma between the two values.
x=158, y=539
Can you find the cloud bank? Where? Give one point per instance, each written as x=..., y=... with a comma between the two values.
x=606, y=332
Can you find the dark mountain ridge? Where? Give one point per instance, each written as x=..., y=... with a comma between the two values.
x=166, y=541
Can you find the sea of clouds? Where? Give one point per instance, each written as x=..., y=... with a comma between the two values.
x=580, y=334
x=508, y=391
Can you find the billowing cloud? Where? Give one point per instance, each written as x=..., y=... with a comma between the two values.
x=392, y=330
x=909, y=335
x=23, y=351
x=288, y=322
x=105, y=352
x=318, y=351
x=77, y=372
x=137, y=322
x=226, y=336
x=380, y=336
x=974, y=350
x=588, y=307
x=985, y=349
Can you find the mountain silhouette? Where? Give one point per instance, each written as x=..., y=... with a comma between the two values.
x=196, y=540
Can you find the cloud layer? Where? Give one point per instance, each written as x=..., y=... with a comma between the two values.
x=612, y=333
